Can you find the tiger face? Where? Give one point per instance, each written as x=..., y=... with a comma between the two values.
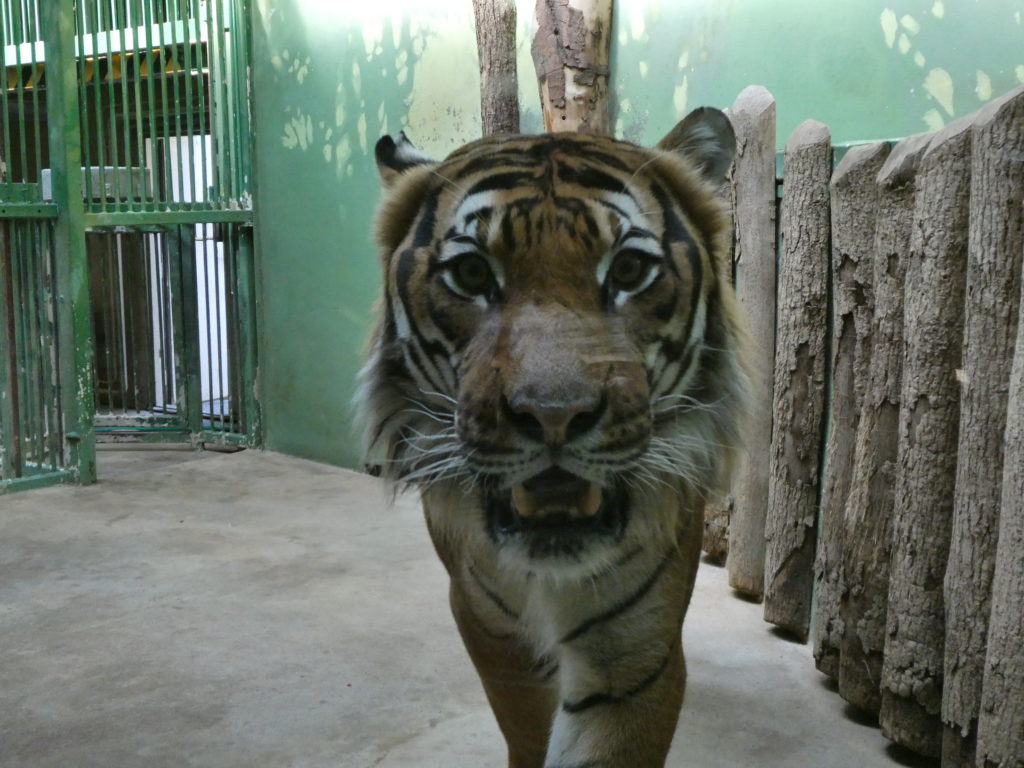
x=558, y=340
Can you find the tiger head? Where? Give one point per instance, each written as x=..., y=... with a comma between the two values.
x=558, y=341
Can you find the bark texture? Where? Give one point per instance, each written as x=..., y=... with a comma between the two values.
x=496, y=46
x=993, y=294
x=753, y=117
x=716, y=528
x=571, y=51
x=1001, y=721
x=867, y=520
x=926, y=466
x=799, y=390
x=854, y=206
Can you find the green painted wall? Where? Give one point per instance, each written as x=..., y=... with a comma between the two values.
x=330, y=76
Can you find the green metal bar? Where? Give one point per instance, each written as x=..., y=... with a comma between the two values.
x=10, y=424
x=152, y=59
x=37, y=481
x=121, y=16
x=209, y=325
x=28, y=211
x=204, y=131
x=165, y=142
x=71, y=270
x=5, y=130
x=50, y=363
x=245, y=307
x=178, y=133
x=115, y=150
x=217, y=105
x=20, y=94
x=187, y=51
x=231, y=439
x=37, y=76
x=83, y=99
x=168, y=218
x=140, y=142
x=186, y=326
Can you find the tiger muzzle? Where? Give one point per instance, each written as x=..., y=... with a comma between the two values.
x=556, y=513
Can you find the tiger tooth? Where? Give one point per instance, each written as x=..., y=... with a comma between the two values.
x=592, y=501
x=522, y=501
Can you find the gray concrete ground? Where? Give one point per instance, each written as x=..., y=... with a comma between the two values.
x=259, y=610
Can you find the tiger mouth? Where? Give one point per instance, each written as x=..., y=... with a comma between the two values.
x=556, y=513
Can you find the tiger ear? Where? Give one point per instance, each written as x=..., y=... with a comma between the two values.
x=395, y=157
x=706, y=138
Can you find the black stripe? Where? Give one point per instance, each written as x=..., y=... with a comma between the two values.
x=499, y=181
x=612, y=206
x=597, y=699
x=592, y=178
x=417, y=344
x=425, y=227
x=620, y=607
x=482, y=626
x=495, y=598
x=588, y=764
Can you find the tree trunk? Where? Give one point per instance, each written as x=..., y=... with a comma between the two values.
x=799, y=391
x=867, y=520
x=716, y=528
x=496, y=46
x=1001, y=721
x=928, y=422
x=571, y=50
x=993, y=295
x=854, y=205
x=753, y=117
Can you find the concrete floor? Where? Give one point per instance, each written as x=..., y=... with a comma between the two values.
x=254, y=609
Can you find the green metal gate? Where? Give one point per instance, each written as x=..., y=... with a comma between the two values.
x=126, y=262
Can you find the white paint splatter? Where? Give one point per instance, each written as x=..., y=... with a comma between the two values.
x=919, y=59
x=680, y=96
x=984, y=86
x=938, y=9
x=933, y=120
x=904, y=44
x=889, y=26
x=939, y=85
x=910, y=24
x=643, y=69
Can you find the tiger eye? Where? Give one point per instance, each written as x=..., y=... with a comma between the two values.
x=472, y=274
x=628, y=270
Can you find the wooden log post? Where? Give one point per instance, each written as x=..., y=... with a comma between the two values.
x=854, y=205
x=799, y=390
x=1001, y=720
x=990, y=328
x=571, y=50
x=496, y=48
x=867, y=519
x=716, y=528
x=926, y=464
x=753, y=118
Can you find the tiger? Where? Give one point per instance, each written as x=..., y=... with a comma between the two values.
x=558, y=367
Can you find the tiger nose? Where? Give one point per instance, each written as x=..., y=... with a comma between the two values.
x=553, y=423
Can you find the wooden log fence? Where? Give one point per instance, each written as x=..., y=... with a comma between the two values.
x=854, y=207
x=799, y=402
x=930, y=410
x=884, y=482
x=867, y=517
x=753, y=180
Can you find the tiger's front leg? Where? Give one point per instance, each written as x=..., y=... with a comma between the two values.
x=622, y=677
x=522, y=692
